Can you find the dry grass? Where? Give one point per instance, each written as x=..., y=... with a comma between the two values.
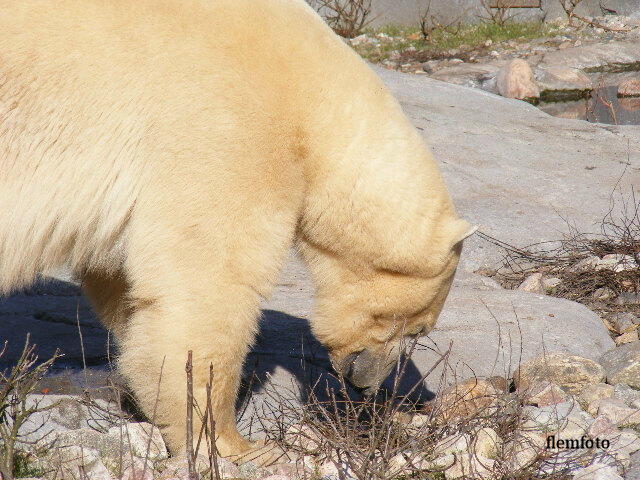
x=393, y=437
x=619, y=234
x=16, y=384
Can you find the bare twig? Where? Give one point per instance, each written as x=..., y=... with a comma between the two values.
x=191, y=459
x=348, y=18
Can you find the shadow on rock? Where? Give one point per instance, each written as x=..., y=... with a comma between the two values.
x=287, y=360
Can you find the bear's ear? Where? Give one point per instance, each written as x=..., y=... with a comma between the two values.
x=463, y=230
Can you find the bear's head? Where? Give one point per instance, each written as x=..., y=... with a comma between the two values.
x=365, y=316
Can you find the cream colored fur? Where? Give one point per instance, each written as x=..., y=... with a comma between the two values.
x=172, y=151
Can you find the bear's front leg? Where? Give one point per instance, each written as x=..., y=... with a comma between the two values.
x=153, y=357
x=196, y=285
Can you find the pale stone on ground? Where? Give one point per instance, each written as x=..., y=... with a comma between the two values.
x=516, y=80
x=622, y=364
x=590, y=397
x=618, y=412
x=629, y=88
x=533, y=283
x=543, y=393
x=570, y=372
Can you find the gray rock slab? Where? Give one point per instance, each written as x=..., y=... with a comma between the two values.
x=593, y=56
x=490, y=329
x=519, y=173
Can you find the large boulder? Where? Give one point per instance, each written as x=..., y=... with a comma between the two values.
x=509, y=165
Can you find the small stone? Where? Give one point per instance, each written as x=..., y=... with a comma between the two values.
x=70, y=460
x=550, y=283
x=556, y=418
x=629, y=88
x=304, y=437
x=618, y=412
x=487, y=443
x=585, y=264
x=603, y=293
x=543, y=393
x=465, y=399
x=602, y=427
x=626, y=442
x=597, y=471
x=624, y=322
x=137, y=469
x=471, y=466
x=522, y=453
x=330, y=471
x=420, y=420
x=622, y=364
x=455, y=443
x=570, y=372
x=431, y=66
x=533, y=283
x=628, y=337
x=630, y=396
x=515, y=80
x=616, y=262
x=628, y=298
x=590, y=397
x=142, y=439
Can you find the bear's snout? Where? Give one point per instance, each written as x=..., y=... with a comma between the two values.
x=365, y=369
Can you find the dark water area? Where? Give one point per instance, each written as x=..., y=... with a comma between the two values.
x=603, y=106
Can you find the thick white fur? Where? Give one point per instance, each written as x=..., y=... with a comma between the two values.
x=171, y=151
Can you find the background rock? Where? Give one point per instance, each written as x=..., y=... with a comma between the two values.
x=622, y=364
x=515, y=80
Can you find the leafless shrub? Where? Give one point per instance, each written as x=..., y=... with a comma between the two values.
x=379, y=438
x=619, y=234
x=348, y=18
x=430, y=23
x=498, y=13
x=569, y=7
x=16, y=384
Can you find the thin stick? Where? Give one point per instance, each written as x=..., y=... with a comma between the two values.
x=190, y=454
x=212, y=423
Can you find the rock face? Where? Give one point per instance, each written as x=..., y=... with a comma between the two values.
x=488, y=147
x=570, y=372
x=629, y=88
x=556, y=78
x=622, y=364
x=593, y=57
x=516, y=80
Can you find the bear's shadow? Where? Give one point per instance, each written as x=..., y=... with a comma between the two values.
x=286, y=349
x=285, y=358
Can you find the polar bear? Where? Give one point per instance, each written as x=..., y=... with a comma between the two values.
x=172, y=151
